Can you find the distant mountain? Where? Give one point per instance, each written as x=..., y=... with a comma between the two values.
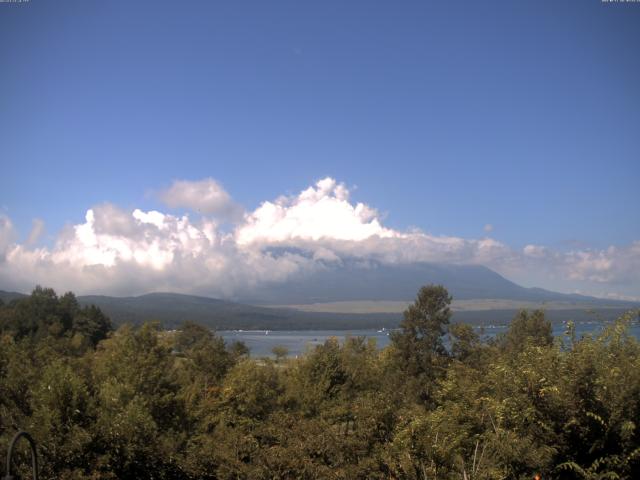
x=172, y=309
x=352, y=282
x=380, y=282
x=6, y=297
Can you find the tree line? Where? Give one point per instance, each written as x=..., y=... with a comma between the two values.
x=145, y=403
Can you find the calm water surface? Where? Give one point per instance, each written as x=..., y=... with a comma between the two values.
x=260, y=342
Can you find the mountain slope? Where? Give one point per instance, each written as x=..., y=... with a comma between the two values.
x=6, y=297
x=350, y=282
x=401, y=282
x=172, y=309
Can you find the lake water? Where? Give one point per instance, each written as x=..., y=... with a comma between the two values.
x=260, y=342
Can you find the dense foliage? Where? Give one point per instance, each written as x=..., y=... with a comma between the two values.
x=146, y=403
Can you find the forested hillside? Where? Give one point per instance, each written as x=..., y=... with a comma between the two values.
x=143, y=403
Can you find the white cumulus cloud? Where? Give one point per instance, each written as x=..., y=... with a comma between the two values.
x=321, y=212
x=7, y=235
x=205, y=196
x=611, y=265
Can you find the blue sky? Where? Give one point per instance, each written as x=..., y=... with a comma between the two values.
x=444, y=116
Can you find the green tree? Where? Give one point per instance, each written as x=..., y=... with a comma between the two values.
x=527, y=328
x=43, y=314
x=92, y=324
x=141, y=422
x=280, y=352
x=204, y=361
x=62, y=420
x=419, y=348
x=600, y=388
x=465, y=343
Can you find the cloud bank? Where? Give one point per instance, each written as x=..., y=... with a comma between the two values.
x=129, y=252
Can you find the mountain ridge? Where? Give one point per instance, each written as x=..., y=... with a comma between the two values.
x=285, y=306
x=375, y=281
x=380, y=282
